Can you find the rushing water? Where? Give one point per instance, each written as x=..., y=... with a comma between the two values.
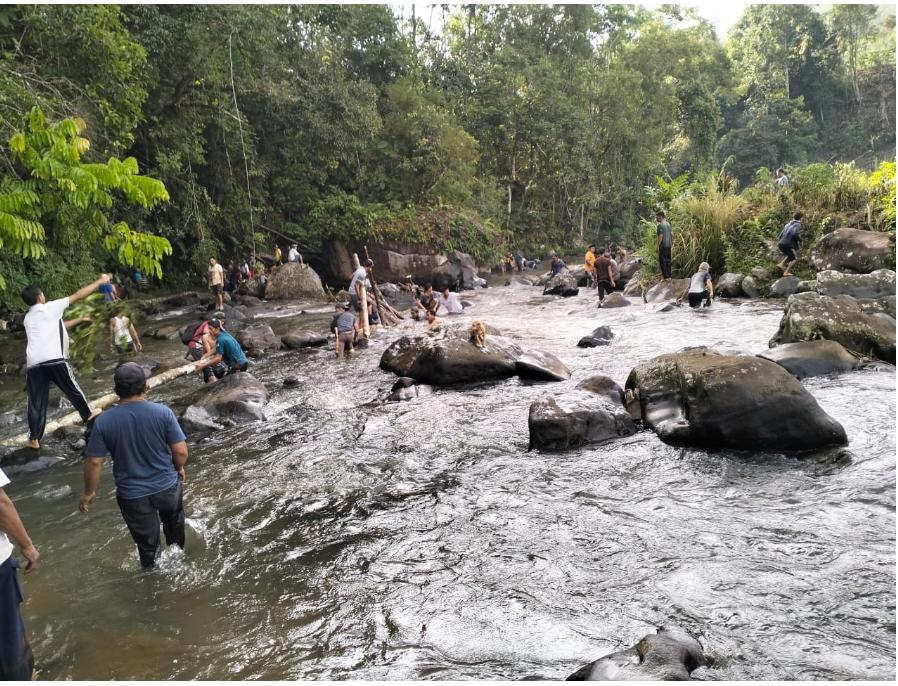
x=344, y=539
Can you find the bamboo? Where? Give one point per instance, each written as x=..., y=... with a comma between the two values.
x=100, y=403
x=366, y=329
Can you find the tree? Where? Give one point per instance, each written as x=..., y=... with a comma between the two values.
x=852, y=25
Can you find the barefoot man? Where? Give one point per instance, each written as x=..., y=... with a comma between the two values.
x=47, y=355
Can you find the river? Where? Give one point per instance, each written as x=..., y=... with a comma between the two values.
x=343, y=539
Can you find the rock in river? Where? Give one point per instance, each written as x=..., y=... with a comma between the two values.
x=729, y=285
x=669, y=655
x=699, y=397
x=535, y=364
x=878, y=284
x=812, y=358
x=809, y=316
x=442, y=361
x=560, y=422
x=564, y=283
x=600, y=336
x=303, y=339
x=666, y=290
x=294, y=280
x=615, y=300
x=256, y=340
x=233, y=400
x=784, y=287
x=854, y=250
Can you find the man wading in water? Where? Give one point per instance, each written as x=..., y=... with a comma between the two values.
x=149, y=451
x=47, y=355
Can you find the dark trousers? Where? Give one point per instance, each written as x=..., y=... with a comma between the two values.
x=604, y=287
x=696, y=299
x=142, y=515
x=38, y=388
x=16, y=659
x=664, y=260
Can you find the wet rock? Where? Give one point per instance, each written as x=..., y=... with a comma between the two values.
x=406, y=389
x=443, y=361
x=784, y=287
x=563, y=284
x=604, y=386
x=855, y=251
x=535, y=364
x=9, y=419
x=291, y=381
x=600, y=336
x=876, y=284
x=873, y=306
x=811, y=316
x=258, y=339
x=666, y=290
x=576, y=418
x=699, y=397
x=233, y=315
x=249, y=300
x=812, y=358
x=729, y=285
x=147, y=363
x=633, y=288
x=615, y=300
x=579, y=273
x=629, y=269
x=231, y=401
x=806, y=286
x=164, y=333
x=458, y=272
x=292, y=281
x=303, y=339
x=750, y=287
x=669, y=655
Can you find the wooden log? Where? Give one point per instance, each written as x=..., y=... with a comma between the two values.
x=100, y=403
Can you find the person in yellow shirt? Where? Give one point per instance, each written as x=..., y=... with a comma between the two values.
x=277, y=254
x=589, y=264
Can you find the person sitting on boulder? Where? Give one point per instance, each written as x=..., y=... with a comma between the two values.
x=789, y=239
x=701, y=288
x=451, y=302
x=228, y=357
x=557, y=265
x=434, y=323
x=345, y=326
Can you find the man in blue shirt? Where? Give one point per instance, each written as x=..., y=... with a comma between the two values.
x=789, y=239
x=665, y=241
x=149, y=451
x=228, y=358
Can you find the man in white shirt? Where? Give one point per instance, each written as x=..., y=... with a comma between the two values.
x=451, y=302
x=46, y=355
x=16, y=659
x=216, y=282
x=359, y=279
x=293, y=254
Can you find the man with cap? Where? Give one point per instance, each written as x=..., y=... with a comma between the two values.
x=149, y=451
x=701, y=288
x=345, y=326
x=228, y=357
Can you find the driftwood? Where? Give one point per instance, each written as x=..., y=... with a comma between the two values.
x=101, y=403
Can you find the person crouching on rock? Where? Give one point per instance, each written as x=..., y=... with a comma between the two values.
x=345, y=326
x=149, y=450
x=228, y=357
x=701, y=287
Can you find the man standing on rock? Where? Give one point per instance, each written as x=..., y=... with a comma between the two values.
x=47, y=355
x=216, y=282
x=789, y=239
x=149, y=451
x=665, y=241
x=228, y=358
x=16, y=658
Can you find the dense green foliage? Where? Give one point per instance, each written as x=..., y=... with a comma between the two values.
x=512, y=127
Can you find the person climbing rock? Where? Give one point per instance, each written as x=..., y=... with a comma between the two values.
x=789, y=239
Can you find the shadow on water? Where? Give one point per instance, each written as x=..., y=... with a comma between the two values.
x=346, y=539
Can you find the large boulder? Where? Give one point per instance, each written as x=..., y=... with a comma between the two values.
x=699, y=397
x=809, y=316
x=784, y=287
x=450, y=360
x=877, y=284
x=300, y=338
x=458, y=272
x=259, y=339
x=579, y=273
x=603, y=335
x=669, y=655
x=576, y=418
x=231, y=401
x=634, y=287
x=854, y=250
x=563, y=284
x=729, y=285
x=536, y=364
x=666, y=290
x=629, y=269
x=750, y=287
x=615, y=300
x=604, y=386
x=812, y=358
x=872, y=306
x=293, y=281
